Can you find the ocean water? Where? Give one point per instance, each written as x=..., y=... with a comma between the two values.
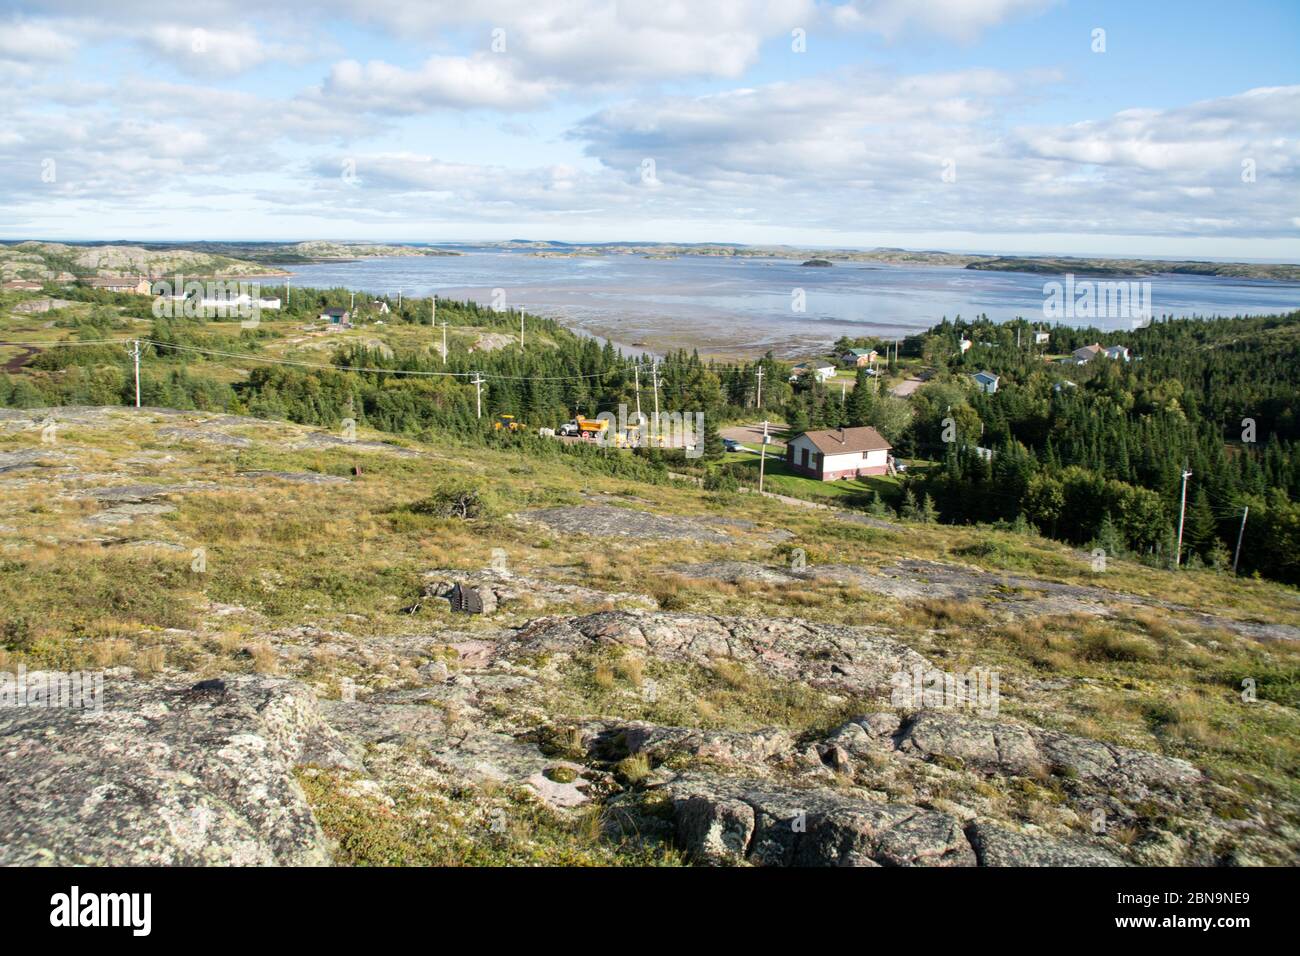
x=735, y=305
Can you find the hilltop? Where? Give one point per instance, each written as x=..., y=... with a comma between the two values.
x=61, y=262
x=659, y=675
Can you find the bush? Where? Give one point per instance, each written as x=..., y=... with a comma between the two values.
x=454, y=502
x=721, y=480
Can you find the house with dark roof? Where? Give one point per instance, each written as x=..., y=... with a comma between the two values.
x=1086, y=354
x=858, y=358
x=139, y=285
x=833, y=453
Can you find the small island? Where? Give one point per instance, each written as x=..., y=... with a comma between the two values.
x=819, y=263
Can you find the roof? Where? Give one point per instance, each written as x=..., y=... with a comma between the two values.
x=986, y=376
x=335, y=312
x=843, y=441
x=860, y=352
x=1090, y=349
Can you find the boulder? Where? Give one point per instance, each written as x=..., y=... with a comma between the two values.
x=163, y=775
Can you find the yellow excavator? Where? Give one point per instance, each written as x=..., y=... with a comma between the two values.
x=507, y=423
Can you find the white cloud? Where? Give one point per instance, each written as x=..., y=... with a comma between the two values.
x=961, y=20
x=29, y=40
x=209, y=51
x=481, y=81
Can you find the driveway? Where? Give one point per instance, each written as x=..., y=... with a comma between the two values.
x=751, y=435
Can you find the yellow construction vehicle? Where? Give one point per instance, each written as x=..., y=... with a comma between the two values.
x=507, y=423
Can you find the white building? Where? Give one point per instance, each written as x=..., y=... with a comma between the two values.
x=839, y=453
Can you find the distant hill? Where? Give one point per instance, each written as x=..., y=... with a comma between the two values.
x=1140, y=267
x=56, y=261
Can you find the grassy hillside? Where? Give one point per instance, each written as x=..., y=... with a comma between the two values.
x=175, y=547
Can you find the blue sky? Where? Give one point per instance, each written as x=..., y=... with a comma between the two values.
x=992, y=125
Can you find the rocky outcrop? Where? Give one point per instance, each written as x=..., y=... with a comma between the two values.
x=719, y=820
x=824, y=655
x=1009, y=748
x=605, y=521
x=164, y=775
x=500, y=587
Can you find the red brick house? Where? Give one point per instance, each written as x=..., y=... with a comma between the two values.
x=839, y=453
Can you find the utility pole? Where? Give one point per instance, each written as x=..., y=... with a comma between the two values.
x=478, y=392
x=444, y=341
x=654, y=374
x=759, y=400
x=353, y=308
x=1245, y=510
x=521, y=331
x=762, y=457
x=399, y=300
x=286, y=292
x=636, y=377
x=844, y=391
x=135, y=354
x=1182, y=511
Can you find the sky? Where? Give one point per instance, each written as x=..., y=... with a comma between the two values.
x=1158, y=128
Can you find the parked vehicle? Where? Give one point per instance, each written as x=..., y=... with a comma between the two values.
x=584, y=427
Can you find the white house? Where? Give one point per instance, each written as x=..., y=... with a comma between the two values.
x=987, y=381
x=1117, y=352
x=964, y=345
x=823, y=370
x=838, y=453
x=1083, y=356
x=1042, y=338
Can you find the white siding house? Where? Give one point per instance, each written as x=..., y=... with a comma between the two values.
x=834, y=453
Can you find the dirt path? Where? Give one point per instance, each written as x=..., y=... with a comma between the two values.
x=16, y=363
x=751, y=435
